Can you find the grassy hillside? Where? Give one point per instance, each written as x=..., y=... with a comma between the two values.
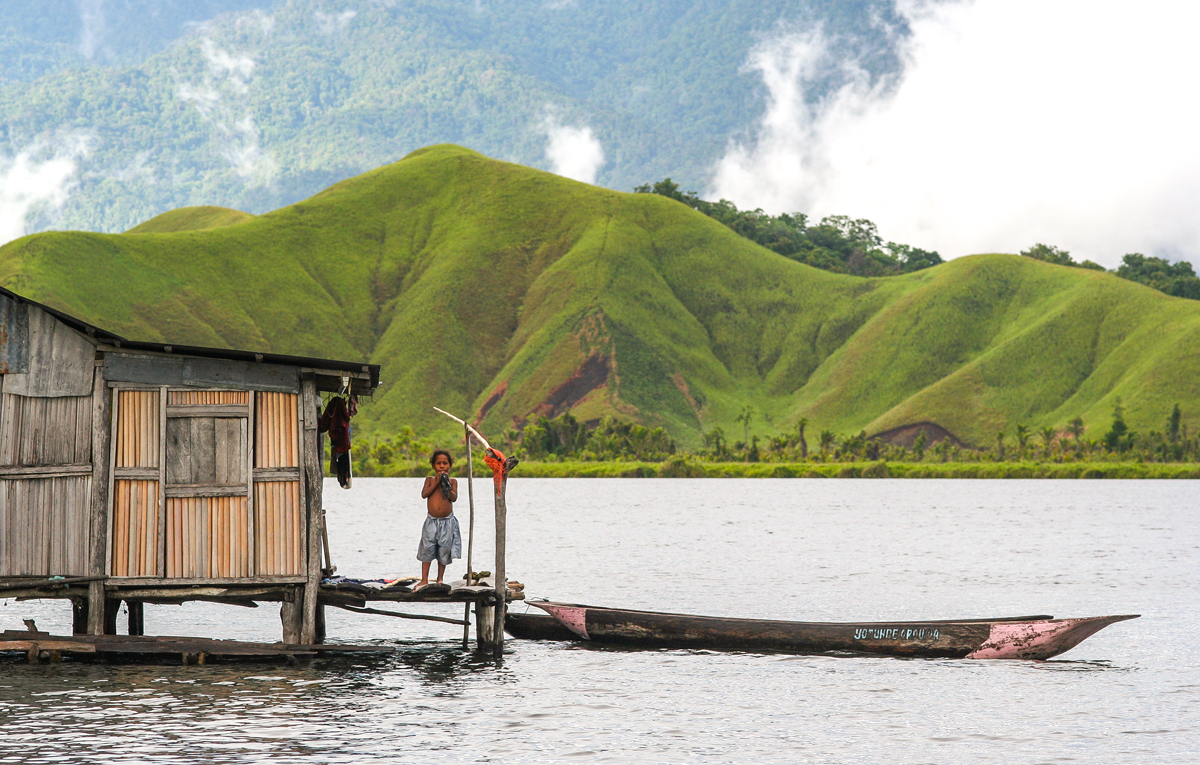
x=502, y=291
x=191, y=219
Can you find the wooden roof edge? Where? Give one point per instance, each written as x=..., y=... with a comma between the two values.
x=354, y=369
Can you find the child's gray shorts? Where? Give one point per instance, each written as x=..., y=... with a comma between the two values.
x=440, y=540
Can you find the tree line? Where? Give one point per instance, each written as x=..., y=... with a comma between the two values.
x=838, y=243
x=1177, y=279
x=853, y=245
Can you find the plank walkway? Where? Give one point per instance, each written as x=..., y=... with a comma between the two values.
x=189, y=650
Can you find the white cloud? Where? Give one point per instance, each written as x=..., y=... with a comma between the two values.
x=92, y=27
x=219, y=100
x=1014, y=121
x=38, y=180
x=573, y=152
x=332, y=23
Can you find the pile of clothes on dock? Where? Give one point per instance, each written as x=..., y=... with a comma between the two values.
x=369, y=586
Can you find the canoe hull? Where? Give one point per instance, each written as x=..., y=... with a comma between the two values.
x=1031, y=638
x=536, y=627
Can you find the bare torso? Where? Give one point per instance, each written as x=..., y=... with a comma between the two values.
x=437, y=504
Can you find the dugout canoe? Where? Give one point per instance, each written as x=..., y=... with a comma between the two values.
x=536, y=627
x=1020, y=637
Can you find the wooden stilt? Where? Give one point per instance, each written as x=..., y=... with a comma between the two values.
x=501, y=582
x=466, y=626
x=137, y=620
x=291, y=613
x=484, y=621
x=313, y=512
x=79, y=616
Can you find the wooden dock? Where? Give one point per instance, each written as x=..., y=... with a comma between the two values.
x=44, y=647
x=289, y=595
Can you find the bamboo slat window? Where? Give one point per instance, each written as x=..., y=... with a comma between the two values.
x=137, y=428
x=278, y=532
x=207, y=537
x=208, y=397
x=276, y=431
x=135, y=528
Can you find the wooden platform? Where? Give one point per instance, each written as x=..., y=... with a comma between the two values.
x=42, y=646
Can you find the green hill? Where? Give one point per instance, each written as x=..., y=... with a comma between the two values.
x=191, y=219
x=502, y=291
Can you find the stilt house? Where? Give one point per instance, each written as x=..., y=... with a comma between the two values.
x=147, y=472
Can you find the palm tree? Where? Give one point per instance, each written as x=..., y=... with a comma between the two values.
x=1022, y=438
x=1000, y=445
x=745, y=417
x=826, y=440
x=803, y=442
x=1047, y=435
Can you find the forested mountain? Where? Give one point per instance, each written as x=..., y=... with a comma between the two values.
x=508, y=293
x=254, y=104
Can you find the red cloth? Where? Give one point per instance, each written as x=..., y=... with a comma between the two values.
x=336, y=420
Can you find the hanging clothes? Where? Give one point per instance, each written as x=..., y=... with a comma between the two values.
x=336, y=421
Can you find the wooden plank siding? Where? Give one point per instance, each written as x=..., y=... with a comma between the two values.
x=208, y=537
x=137, y=428
x=44, y=526
x=278, y=516
x=277, y=431
x=231, y=507
x=278, y=528
x=45, y=431
x=208, y=397
x=135, y=528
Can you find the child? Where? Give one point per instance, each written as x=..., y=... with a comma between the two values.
x=440, y=537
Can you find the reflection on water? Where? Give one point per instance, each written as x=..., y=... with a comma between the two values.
x=791, y=549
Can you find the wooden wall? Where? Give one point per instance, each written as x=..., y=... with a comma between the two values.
x=277, y=501
x=136, y=484
x=229, y=506
x=45, y=485
x=44, y=526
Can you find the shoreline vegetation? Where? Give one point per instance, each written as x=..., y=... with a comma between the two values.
x=564, y=447
x=694, y=468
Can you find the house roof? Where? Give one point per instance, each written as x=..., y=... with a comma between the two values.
x=357, y=368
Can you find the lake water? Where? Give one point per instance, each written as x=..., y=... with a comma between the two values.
x=821, y=550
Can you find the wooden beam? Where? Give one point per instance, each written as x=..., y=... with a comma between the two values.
x=103, y=444
x=47, y=471
x=136, y=473
x=208, y=410
x=311, y=498
x=28, y=646
x=152, y=581
x=277, y=474
x=206, y=490
x=398, y=615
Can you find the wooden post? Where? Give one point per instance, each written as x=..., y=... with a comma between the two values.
x=484, y=631
x=102, y=439
x=137, y=617
x=290, y=613
x=471, y=503
x=314, y=518
x=501, y=582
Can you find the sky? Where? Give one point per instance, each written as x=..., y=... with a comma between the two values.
x=1013, y=122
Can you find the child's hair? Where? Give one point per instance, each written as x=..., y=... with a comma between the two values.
x=433, y=457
